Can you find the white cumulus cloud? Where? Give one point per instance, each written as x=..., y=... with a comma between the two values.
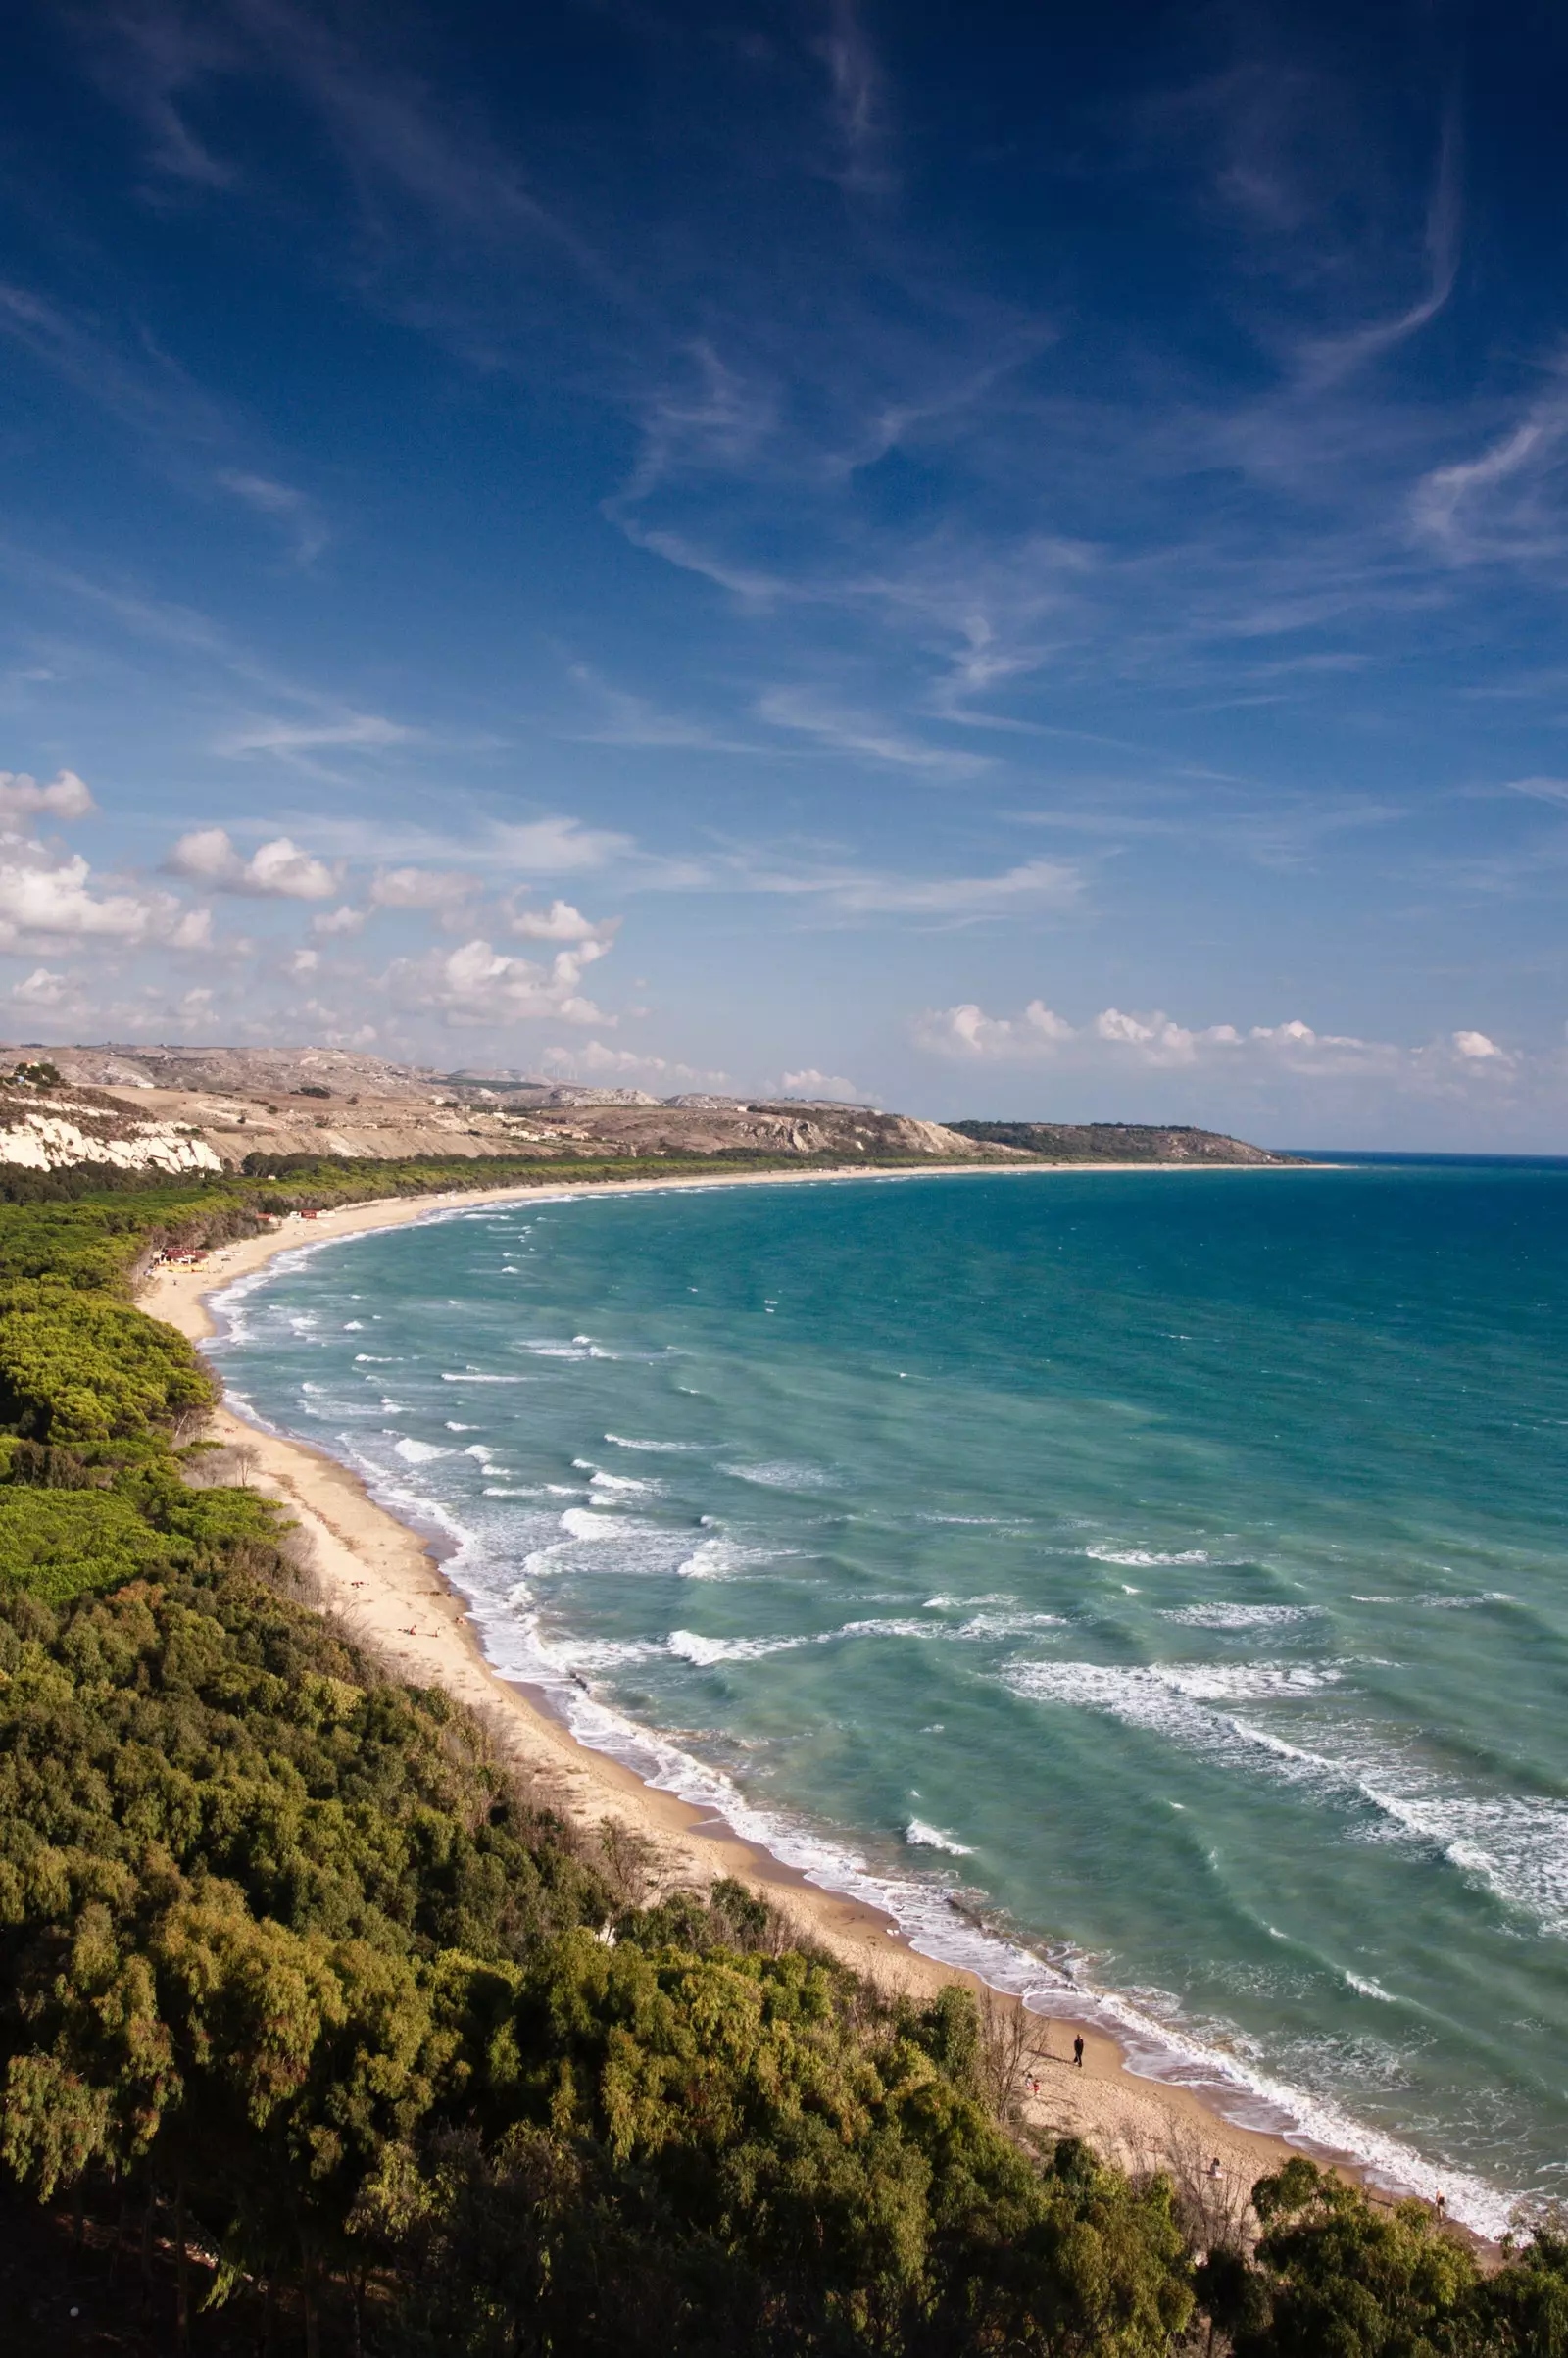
x=276, y=871
x=1114, y=1040
x=561, y=922
x=479, y=984
x=334, y=921
x=1476, y=1045
x=43, y=989
x=64, y=796
x=421, y=888
x=45, y=898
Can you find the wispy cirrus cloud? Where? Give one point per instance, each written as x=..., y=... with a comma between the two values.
x=283, y=505
x=1505, y=504
x=865, y=737
x=622, y=719
x=1036, y=885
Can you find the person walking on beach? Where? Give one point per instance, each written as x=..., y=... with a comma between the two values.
x=1078, y=2053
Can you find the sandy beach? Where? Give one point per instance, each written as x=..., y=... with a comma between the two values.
x=387, y=1590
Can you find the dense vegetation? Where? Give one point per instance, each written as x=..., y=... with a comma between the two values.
x=1115, y=1142
x=296, y=1986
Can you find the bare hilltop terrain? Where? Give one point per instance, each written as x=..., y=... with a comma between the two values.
x=176, y=1109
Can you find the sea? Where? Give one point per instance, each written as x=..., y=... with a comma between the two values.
x=1150, y=1587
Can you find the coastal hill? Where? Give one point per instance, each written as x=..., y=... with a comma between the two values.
x=1117, y=1142
x=193, y=1110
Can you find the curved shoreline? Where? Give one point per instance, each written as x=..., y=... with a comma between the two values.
x=373, y=1569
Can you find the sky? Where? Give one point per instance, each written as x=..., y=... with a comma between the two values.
x=1000, y=562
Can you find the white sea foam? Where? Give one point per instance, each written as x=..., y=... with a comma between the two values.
x=621, y=1441
x=921, y=1837
x=1368, y=1987
x=469, y=1377
x=417, y=1453
x=620, y=1484
x=1515, y=1844
x=688, y=1647
x=584, y=1524
x=1239, y=1616
x=723, y=1559
x=1143, y=1558
x=1441, y=1603
x=1009, y=1625
x=780, y=1476
x=1051, y=1985
x=890, y=1629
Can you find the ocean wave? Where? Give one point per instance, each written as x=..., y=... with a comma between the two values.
x=1143, y=1558
x=1515, y=1846
x=780, y=1476
x=722, y=1559
x=1441, y=1603
x=1009, y=1625
x=584, y=1524
x=889, y=1629
x=470, y=1377
x=620, y=1485
x=621, y=1441
x=1239, y=1616
x=1513, y=1843
x=688, y=1647
x=921, y=1837
x=1055, y=1986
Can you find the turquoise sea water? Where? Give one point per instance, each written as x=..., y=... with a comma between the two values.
x=1171, y=1568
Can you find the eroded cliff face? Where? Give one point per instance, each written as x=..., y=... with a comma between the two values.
x=197, y=1109
x=54, y=1131
x=217, y=1131
x=193, y=1110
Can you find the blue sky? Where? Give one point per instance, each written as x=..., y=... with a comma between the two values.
x=1001, y=564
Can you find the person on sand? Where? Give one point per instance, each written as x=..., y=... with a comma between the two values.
x=1440, y=2204
x=1078, y=2053
x=1214, y=2168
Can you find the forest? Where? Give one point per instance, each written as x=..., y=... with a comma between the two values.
x=319, y=2035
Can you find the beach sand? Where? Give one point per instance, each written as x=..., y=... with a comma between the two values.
x=386, y=1589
